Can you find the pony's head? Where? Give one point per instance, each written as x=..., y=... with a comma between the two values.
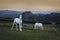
x=20, y=16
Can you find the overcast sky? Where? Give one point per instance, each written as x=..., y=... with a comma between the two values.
x=30, y=5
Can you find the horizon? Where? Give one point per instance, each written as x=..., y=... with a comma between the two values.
x=34, y=12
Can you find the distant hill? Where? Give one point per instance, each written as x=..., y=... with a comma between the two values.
x=9, y=13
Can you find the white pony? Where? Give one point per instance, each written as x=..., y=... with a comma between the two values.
x=37, y=25
x=19, y=22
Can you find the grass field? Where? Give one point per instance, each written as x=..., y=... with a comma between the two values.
x=28, y=34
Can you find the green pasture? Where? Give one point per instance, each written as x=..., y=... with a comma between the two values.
x=29, y=33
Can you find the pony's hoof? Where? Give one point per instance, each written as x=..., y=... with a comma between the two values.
x=20, y=29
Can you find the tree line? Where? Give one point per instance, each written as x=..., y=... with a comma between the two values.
x=28, y=16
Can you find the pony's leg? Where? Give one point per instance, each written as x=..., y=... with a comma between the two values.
x=12, y=25
x=16, y=27
x=34, y=26
x=20, y=27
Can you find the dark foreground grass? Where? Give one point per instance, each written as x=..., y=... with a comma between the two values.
x=28, y=34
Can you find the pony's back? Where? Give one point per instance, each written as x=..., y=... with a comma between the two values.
x=38, y=24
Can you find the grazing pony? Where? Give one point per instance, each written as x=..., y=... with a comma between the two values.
x=37, y=25
x=19, y=22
